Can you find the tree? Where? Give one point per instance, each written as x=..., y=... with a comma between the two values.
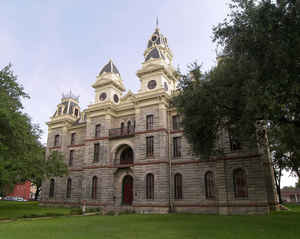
x=257, y=79
x=21, y=153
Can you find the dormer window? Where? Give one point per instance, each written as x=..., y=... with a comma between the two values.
x=56, y=140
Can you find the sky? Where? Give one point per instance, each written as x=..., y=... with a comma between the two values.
x=57, y=46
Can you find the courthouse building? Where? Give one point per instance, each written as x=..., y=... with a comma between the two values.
x=127, y=151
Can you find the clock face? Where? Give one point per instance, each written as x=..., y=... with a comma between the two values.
x=116, y=98
x=103, y=96
x=154, y=38
x=166, y=86
x=151, y=84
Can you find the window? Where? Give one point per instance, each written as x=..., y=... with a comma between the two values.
x=59, y=110
x=178, y=186
x=177, y=147
x=122, y=128
x=56, y=140
x=234, y=142
x=51, y=189
x=149, y=122
x=129, y=127
x=96, y=152
x=150, y=186
x=71, y=158
x=69, y=188
x=76, y=112
x=210, y=185
x=240, y=183
x=175, y=122
x=97, y=130
x=73, y=135
x=94, y=187
x=149, y=146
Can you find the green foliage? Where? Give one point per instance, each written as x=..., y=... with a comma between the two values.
x=257, y=78
x=22, y=156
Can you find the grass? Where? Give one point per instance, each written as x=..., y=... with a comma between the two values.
x=14, y=210
x=278, y=225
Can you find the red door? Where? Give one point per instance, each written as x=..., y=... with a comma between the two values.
x=127, y=190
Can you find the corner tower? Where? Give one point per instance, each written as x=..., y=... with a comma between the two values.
x=157, y=71
x=109, y=85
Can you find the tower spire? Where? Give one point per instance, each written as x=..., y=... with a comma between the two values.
x=156, y=22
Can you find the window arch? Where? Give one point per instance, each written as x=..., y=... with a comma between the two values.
x=210, y=185
x=94, y=187
x=69, y=188
x=178, y=186
x=240, y=183
x=51, y=188
x=150, y=186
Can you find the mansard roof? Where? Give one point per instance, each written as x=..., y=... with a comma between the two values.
x=154, y=53
x=110, y=68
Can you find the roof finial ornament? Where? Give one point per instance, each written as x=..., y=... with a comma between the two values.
x=157, y=23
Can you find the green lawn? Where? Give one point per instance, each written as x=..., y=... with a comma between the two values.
x=278, y=225
x=12, y=210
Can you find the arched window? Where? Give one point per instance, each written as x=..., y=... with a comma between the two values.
x=122, y=128
x=56, y=140
x=69, y=188
x=51, y=189
x=128, y=127
x=178, y=186
x=94, y=187
x=210, y=185
x=240, y=183
x=149, y=186
x=97, y=130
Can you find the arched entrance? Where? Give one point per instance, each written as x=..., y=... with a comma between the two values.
x=127, y=192
x=126, y=156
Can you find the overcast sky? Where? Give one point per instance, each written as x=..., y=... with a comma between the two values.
x=58, y=46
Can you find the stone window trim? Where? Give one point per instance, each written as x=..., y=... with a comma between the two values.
x=150, y=146
x=51, y=188
x=240, y=183
x=73, y=138
x=210, y=188
x=150, y=186
x=178, y=187
x=69, y=188
x=149, y=122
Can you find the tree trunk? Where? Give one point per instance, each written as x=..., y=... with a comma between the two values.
x=37, y=193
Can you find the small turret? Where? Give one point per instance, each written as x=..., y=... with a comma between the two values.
x=69, y=106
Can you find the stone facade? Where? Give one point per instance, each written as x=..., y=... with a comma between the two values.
x=109, y=145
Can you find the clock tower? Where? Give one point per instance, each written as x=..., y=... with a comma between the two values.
x=157, y=72
x=109, y=85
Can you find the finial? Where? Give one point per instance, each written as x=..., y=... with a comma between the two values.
x=156, y=22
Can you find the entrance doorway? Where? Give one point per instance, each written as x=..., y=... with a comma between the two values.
x=127, y=190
